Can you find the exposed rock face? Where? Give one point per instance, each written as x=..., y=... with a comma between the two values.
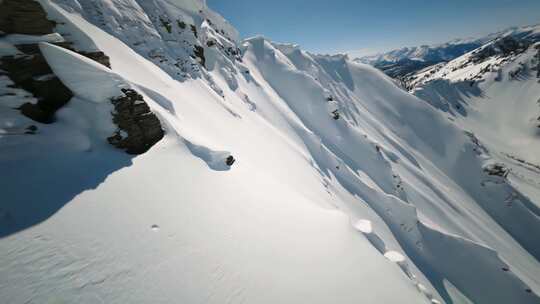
x=504, y=46
x=24, y=17
x=98, y=57
x=230, y=160
x=537, y=47
x=32, y=73
x=497, y=170
x=138, y=128
x=199, y=53
x=335, y=114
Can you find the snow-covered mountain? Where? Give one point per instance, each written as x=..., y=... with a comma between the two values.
x=400, y=62
x=403, y=61
x=150, y=156
x=481, y=62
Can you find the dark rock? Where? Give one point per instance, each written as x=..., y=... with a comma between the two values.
x=181, y=24
x=30, y=129
x=33, y=49
x=33, y=74
x=538, y=61
x=335, y=114
x=230, y=160
x=34, y=112
x=24, y=17
x=199, y=53
x=504, y=46
x=134, y=118
x=31, y=71
x=194, y=30
x=98, y=57
x=497, y=170
x=166, y=24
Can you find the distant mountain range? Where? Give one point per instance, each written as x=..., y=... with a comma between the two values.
x=400, y=62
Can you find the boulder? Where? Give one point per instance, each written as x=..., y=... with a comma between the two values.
x=138, y=128
x=497, y=170
x=230, y=160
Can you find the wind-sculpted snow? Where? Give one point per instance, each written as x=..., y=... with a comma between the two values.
x=345, y=188
x=82, y=75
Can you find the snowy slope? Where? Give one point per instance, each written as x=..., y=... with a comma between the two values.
x=493, y=92
x=388, y=203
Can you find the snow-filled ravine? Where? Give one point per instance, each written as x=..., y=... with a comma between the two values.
x=344, y=187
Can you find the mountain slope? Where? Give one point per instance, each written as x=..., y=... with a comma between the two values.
x=492, y=92
x=344, y=189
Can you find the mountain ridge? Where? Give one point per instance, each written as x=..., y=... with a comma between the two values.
x=399, y=62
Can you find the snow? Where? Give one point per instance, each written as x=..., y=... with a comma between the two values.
x=66, y=28
x=82, y=75
x=444, y=52
x=394, y=256
x=387, y=204
x=8, y=42
x=27, y=39
x=363, y=226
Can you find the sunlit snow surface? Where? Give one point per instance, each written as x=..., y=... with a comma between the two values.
x=387, y=204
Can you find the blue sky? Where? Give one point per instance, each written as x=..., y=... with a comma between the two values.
x=367, y=26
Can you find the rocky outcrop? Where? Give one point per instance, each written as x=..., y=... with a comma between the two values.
x=230, y=160
x=502, y=47
x=497, y=170
x=24, y=17
x=138, y=128
x=537, y=47
x=32, y=73
x=98, y=57
x=335, y=114
x=30, y=70
x=198, y=51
